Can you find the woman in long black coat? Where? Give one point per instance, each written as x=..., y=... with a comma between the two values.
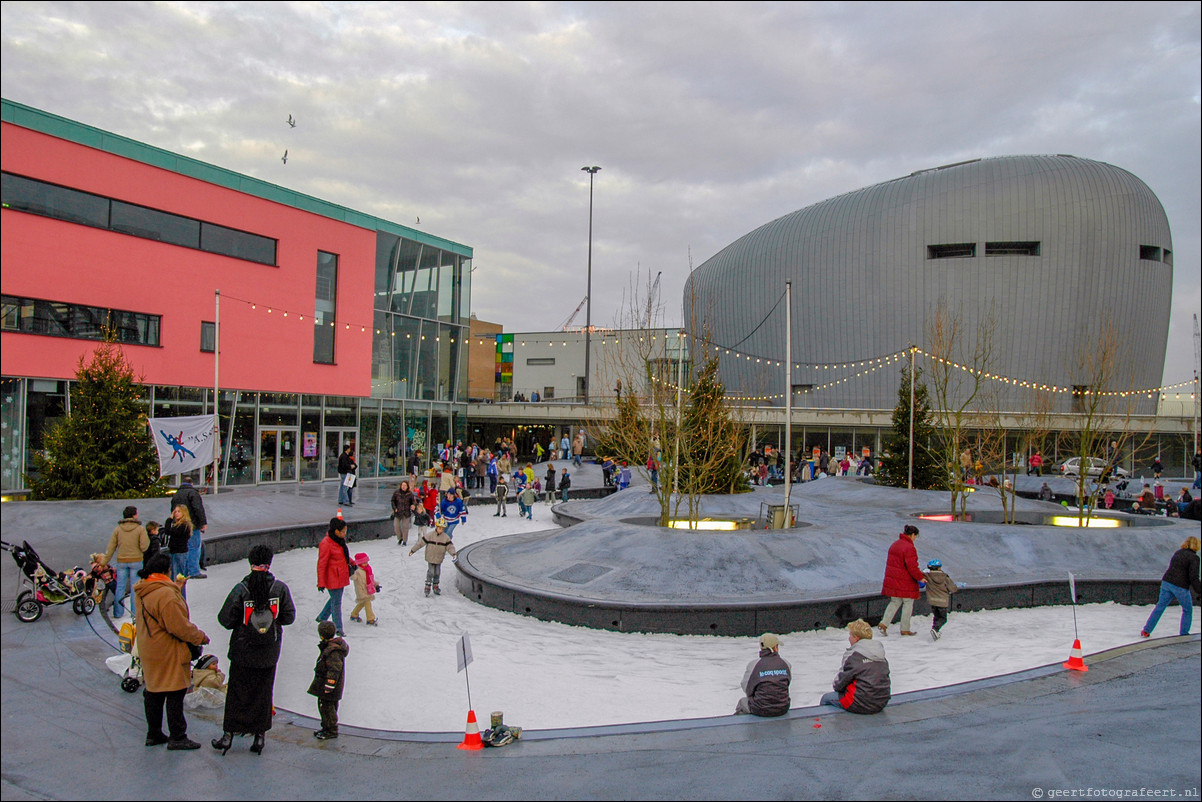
x=256, y=611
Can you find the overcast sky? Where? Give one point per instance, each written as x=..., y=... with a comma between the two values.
x=707, y=119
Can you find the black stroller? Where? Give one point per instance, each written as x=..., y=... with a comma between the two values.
x=42, y=587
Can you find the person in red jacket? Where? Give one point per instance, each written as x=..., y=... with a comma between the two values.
x=333, y=571
x=902, y=579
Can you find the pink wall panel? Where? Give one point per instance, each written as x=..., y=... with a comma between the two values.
x=61, y=261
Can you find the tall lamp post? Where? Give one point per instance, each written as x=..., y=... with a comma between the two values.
x=588, y=313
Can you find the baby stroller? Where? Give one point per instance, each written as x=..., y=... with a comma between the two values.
x=42, y=587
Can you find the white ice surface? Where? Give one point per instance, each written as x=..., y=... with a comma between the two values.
x=402, y=675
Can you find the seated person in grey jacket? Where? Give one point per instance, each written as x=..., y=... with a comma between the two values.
x=862, y=685
x=766, y=681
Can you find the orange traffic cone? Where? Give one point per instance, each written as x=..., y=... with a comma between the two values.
x=1075, y=662
x=339, y=513
x=471, y=738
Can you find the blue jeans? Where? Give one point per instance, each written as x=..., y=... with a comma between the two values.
x=563, y=494
x=1168, y=592
x=450, y=527
x=333, y=608
x=344, y=492
x=179, y=565
x=193, y=554
x=126, y=577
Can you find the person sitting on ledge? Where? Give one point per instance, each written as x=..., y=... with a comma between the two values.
x=766, y=681
x=862, y=685
x=1045, y=493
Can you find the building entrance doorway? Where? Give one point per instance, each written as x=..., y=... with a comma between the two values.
x=277, y=455
x=336, y=440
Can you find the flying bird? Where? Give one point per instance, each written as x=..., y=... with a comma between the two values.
x=419, y=221
x=291, y=122
x=285, y=159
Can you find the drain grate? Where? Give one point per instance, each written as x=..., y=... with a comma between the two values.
x=581, y=573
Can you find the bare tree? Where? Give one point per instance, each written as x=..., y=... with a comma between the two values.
x=1104, y=405
x=958, y=365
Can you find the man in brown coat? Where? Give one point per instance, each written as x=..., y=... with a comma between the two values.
x=163, y=634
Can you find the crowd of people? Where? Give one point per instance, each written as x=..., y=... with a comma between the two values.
x=260, y=606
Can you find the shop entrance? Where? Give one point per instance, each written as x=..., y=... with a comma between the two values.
x=277, y=455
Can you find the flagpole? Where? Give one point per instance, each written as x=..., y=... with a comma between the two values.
x=216, y=384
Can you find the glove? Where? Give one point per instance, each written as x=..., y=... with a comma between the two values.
x=922, y=585
x=320, y=589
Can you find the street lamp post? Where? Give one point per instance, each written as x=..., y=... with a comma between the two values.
x=588, y=314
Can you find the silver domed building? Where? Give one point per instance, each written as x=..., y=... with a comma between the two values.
x=1055, y=248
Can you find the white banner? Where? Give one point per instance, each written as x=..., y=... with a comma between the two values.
x=1072, y=587
x=184, y=444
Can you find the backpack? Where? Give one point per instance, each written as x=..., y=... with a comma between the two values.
x=259, y=622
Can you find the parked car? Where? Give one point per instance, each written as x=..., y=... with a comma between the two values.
x=1093, y=467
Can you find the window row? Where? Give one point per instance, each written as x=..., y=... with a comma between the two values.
x=74, y=206
x=57, y=319
x=967, y=250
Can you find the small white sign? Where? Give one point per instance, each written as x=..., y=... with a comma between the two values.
x=463, y=652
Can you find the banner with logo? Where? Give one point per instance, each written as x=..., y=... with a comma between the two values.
x=184, y=444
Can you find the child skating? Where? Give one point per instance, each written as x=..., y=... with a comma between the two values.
x=437, y=545
x=526, y=500
x=366, y=588
x=939, y=592
x=328, y=676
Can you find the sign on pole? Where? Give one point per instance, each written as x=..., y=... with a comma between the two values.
x=463, y=652
x=1072, y=587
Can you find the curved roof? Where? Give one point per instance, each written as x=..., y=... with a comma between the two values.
x=1054, y=248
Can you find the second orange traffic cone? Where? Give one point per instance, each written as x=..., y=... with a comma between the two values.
x=471, y=738
x=1075, y=662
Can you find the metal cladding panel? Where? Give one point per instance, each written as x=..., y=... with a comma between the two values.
x=864, y=287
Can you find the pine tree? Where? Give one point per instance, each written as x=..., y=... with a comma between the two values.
x=103, y=449
x=895, y=465
x=712, y=441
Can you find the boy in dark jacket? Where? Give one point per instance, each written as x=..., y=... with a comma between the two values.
x=327, y=679
x=766, y=681
x=862, y=685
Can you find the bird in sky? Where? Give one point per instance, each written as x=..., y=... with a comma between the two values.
x=419, y=221
x=285, y=159
x=291, y=122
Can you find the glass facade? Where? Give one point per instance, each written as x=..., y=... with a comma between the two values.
x=422, y=301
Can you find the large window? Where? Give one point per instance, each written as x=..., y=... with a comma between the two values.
x=57, y=319
x=73, y=206
x=327, y=305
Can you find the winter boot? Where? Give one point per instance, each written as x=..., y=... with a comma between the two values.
x=427, y=590
x=934, y=634
x=437, y=592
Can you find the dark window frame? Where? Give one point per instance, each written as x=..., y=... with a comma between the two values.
x=47, y=318
x=954, y=250
x=208, y=336
x=251, y=242
x=1012, y=248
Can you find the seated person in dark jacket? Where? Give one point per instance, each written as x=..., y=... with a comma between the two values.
x=766, y=681
x=862, y=685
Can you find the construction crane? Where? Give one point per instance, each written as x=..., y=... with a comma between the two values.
x=651, y=297
x=564, y=326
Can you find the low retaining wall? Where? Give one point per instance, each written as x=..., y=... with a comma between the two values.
x=750, y=619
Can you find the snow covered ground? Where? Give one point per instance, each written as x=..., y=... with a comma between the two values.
x=402, y=675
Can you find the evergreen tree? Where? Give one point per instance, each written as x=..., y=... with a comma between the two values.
x=895, y=465
x=103, y=449
x=711, y=441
